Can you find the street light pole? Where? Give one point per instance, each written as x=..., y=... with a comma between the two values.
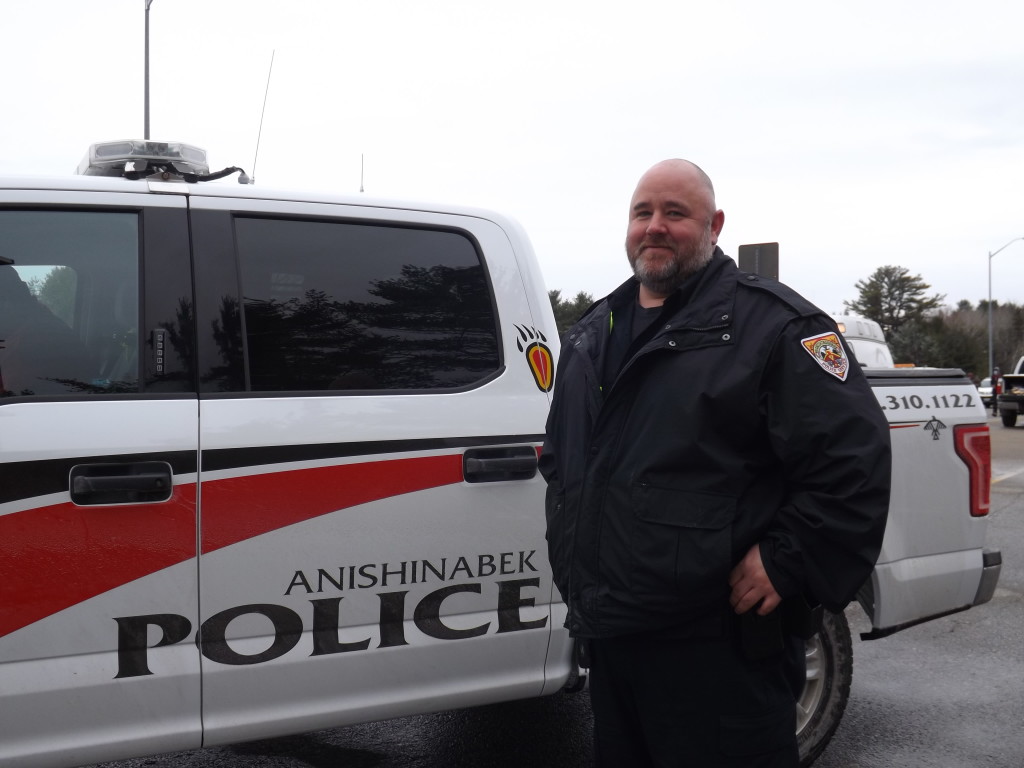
x=990, y=255
x=145, y=131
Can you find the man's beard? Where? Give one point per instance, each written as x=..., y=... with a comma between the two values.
x=664, y=277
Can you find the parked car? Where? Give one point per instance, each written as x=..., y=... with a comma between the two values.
x=985, y=392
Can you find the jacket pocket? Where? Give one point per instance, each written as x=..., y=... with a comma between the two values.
x=681, y=543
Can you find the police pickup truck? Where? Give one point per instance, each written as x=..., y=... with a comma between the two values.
x=268, y=465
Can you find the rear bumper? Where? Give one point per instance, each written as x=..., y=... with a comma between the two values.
x=992, y=564
x=909, y=592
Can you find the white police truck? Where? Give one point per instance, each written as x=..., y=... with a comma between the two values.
x=255, y=442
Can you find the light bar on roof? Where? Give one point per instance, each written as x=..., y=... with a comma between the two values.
x=120, y=158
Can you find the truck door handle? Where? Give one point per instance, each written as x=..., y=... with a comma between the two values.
x=489, y=465
x=139, y=482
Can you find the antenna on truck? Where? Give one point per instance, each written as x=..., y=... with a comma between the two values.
x=263, y=111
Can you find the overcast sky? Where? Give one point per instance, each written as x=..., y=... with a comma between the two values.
x=856, y=135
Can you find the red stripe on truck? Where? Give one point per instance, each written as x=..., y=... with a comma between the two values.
x=57, y=556
x=239, y=508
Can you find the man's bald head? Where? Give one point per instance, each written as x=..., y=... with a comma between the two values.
x=684, y=169
x=673, y=227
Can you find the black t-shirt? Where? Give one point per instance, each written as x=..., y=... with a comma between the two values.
x=627, y=334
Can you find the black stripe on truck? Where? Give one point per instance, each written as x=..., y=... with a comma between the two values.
x=27, y=479
x=234, y=458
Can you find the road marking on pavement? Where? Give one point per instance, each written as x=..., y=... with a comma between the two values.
x=1007, y=476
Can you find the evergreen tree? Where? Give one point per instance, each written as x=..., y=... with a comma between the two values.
x=893, y=297
x=912, y=343
x=568, y=312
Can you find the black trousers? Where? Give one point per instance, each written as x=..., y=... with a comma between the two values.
x=693, y=703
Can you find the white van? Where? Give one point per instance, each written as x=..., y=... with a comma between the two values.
x=866, y=339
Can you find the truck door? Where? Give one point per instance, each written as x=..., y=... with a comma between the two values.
x=98, y=452
x=372, y=526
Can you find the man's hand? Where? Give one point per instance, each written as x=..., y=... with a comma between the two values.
x=751, y=585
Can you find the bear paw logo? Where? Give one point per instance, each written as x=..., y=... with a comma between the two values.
x=538, y=356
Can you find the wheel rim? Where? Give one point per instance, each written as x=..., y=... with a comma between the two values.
x=814, y=687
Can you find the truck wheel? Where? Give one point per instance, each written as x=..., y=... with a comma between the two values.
x=823, y=701
x=1009, y=418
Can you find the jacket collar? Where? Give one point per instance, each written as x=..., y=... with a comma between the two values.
x=710, y=303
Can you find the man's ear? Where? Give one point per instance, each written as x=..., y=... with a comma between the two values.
x=717, y=222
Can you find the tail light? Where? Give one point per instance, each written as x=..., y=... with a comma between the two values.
x=974, y=447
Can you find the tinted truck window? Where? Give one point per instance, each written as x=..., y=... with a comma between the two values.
x=342, y=306
x=69, y=304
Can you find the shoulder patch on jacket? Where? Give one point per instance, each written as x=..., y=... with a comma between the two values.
x=782, y=292
x=828, y=352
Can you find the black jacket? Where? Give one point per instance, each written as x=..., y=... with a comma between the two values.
x=721, y=430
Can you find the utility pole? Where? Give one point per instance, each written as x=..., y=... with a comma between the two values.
x=991, y=362
x=145, y=130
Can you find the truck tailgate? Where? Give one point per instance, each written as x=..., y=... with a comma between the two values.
x=933, y=560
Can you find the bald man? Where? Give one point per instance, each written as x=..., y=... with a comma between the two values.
x=717, y=466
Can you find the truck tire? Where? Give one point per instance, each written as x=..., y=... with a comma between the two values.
x=1009, y=418
x=823, y=701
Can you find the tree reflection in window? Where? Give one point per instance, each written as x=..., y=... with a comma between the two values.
x=428, y=327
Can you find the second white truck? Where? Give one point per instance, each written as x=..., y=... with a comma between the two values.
x=1010, y=399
